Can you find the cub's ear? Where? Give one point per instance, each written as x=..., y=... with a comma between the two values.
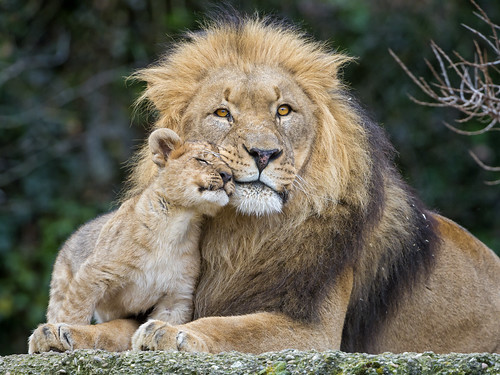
x=161, y=143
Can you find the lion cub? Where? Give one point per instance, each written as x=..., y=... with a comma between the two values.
x=146, y=256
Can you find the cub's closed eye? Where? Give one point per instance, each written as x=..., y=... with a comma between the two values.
x=204, y=162
x=284, y=110
x=222, y=112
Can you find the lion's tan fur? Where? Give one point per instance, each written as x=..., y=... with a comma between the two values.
x=339, y=168
x=352, y=259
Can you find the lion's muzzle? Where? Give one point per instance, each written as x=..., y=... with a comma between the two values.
x=263, y=157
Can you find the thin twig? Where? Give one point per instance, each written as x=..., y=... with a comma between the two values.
x=485, y=167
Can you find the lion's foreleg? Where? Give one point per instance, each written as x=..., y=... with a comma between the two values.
x=252, y=333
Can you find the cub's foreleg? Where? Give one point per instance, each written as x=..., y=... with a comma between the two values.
x=72, y=255
x=59, y=286
x=89, y=286
x=114, y=335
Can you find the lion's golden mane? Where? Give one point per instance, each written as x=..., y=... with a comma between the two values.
x=340, y=163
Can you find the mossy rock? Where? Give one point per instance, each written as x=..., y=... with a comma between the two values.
x=279, y=363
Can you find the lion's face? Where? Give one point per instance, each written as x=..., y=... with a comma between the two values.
x=265, y=127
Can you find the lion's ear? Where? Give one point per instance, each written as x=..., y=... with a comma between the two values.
x=161, y=143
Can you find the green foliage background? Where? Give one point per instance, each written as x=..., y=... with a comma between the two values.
x=67, y=125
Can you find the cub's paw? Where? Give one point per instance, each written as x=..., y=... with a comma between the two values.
x=51, y=337
x=158, y=335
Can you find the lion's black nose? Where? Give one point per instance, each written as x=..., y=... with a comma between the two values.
x=263, y=157
x=226, y=177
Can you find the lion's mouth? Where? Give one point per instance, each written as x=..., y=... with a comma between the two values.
x=257, y=198
x=262, y=186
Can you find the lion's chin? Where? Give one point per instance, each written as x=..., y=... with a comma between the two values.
x=256, y=199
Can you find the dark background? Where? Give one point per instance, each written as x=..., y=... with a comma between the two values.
x=68, y=127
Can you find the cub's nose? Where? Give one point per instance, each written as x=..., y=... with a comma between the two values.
x=226, y=177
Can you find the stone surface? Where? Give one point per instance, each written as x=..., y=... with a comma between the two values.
x=279, y=363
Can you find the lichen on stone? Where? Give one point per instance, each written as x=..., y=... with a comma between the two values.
x=86, y=362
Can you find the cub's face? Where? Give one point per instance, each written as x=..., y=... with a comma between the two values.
x=265, y=127
x=196, y=176
x=190, y=174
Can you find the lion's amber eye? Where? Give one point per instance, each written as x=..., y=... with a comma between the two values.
x=284, y=110
x=222, y=112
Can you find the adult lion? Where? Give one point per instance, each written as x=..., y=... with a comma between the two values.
x=323, y=246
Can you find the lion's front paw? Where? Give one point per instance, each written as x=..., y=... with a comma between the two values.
x=51, y=337
x=158, y=335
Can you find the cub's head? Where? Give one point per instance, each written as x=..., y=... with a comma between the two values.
x=191, y=173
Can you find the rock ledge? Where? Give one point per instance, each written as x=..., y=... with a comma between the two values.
x=279, y=363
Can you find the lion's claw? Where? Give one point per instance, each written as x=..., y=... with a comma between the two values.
x=158, y=335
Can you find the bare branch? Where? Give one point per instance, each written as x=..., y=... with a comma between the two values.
x=482, y=165
x=494, y=47
x=485, y=167
x=487, y=128
x=475, y=95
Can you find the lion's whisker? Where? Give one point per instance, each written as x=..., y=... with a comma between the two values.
x=302, y=185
